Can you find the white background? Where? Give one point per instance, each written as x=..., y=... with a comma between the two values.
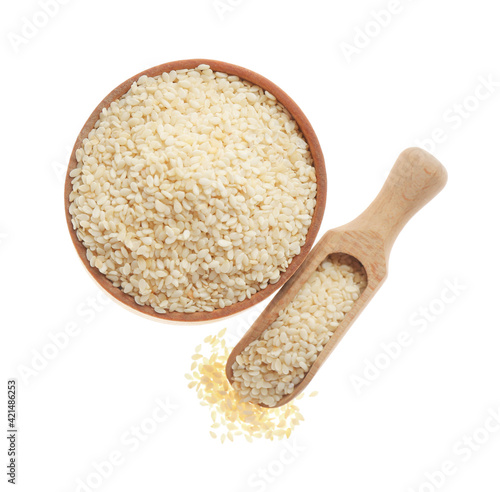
x=366, y=108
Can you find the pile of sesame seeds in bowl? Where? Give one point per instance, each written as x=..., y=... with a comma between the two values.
x=193, y=191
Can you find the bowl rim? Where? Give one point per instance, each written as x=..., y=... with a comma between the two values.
x=319, y=164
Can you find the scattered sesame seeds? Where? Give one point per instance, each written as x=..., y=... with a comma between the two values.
x=230, y=415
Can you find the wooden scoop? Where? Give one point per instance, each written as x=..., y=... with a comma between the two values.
x=415, y=179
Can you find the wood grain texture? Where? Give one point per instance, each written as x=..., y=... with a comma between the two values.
x=413, y=181
x=319, y=164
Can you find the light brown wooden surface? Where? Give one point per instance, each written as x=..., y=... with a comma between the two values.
x=413, y=181
x=319, y=164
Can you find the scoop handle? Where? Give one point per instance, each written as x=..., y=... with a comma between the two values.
x=415, y=179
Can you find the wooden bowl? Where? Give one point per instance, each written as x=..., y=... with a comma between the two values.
x=319, y=164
